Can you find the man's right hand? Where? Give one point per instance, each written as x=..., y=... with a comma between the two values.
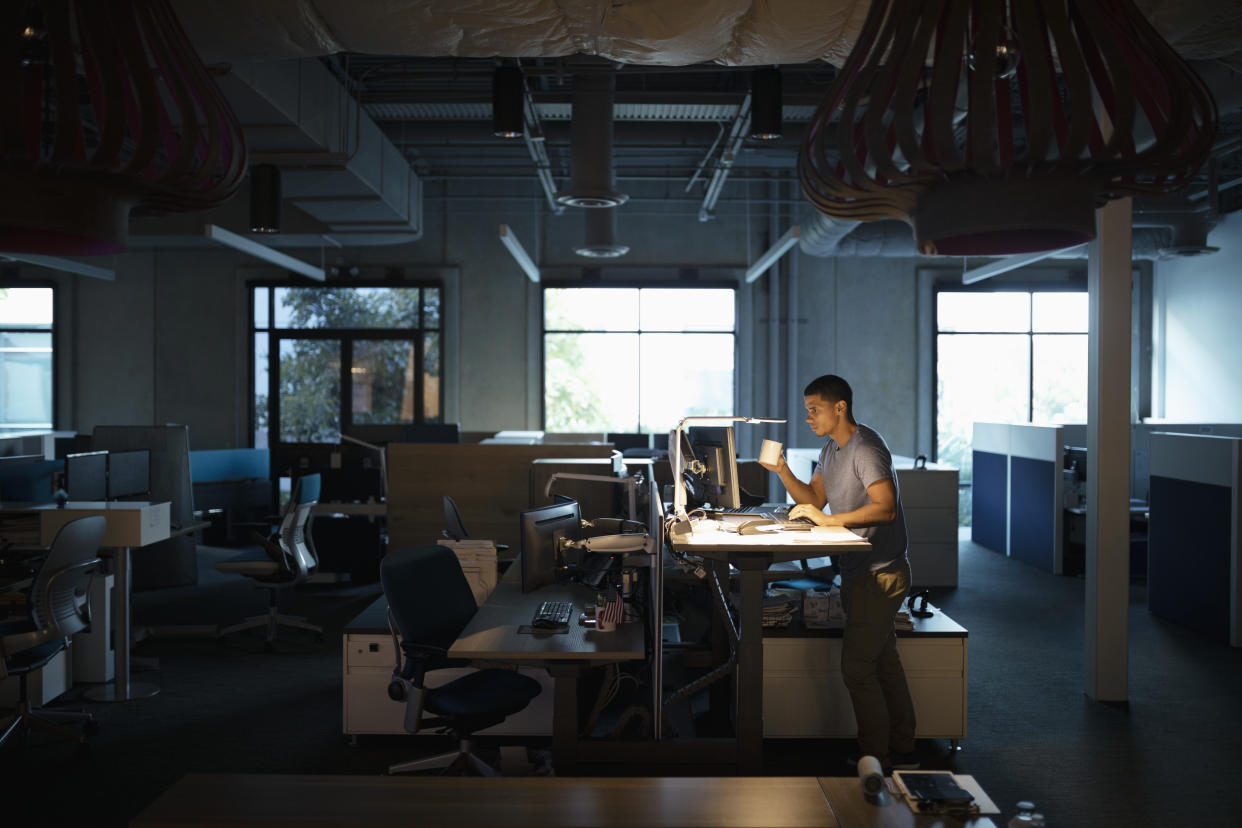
x=778, y=466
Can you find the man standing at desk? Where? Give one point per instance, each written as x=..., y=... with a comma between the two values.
x=855, y=478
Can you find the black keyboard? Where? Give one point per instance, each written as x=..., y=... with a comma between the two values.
x=553, y=614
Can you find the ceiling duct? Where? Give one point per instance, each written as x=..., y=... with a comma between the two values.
x=592, y=180
x=601, y=233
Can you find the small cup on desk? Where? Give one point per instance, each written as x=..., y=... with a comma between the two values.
x=604, y=626
x=770, y=452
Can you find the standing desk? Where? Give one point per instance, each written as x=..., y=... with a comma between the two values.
x=752, y=555
x=129, y=524
x=492, y=635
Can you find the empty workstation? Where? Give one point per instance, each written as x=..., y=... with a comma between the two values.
x=446, y=382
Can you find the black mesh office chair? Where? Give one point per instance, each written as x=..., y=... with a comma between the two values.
x=453, y=527
x=285, y=560
x=429, y=604
x=58, y=609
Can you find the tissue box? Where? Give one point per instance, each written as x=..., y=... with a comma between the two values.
x=821, y=607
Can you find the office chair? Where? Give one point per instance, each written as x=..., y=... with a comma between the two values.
x=453, y=528
x=429, y=604
x=286, y=559
x=59, y=608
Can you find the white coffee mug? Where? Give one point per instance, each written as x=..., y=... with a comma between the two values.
x=770, y=452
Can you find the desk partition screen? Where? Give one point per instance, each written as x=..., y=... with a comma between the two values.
x=86, y=475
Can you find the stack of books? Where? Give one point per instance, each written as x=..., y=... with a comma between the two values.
x=478, y=562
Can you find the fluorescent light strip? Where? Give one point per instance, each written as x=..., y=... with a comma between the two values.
x=511, y=243
x=57, y=263
x=773, y=253
x=261, y=251
x=987, y=271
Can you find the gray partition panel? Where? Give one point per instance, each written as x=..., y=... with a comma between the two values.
x=171, y=562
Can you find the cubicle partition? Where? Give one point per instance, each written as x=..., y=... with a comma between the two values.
x=1017, y=499
x=490, y=483
x=234, y=481
x=1194, y=543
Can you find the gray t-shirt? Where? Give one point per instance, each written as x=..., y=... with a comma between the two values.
x=847, y=471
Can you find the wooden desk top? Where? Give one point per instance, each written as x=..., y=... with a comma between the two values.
x=493, y=632
x=772, y=547
x=237, y=800
x=129, y=523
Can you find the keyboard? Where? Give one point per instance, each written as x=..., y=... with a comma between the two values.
x=552, y=614
x=781, y=515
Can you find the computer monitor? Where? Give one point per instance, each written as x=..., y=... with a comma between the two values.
x=713, y=446
x=129, y=473
x=542, y=529
x=1074, y=458
x=86, y=475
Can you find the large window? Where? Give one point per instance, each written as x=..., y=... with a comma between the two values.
x=26, y=365
x=636, y=359
x=327, y=358
x=1010, y=357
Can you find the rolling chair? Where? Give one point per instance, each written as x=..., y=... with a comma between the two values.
x=58, y=609
x=453, y=528
x=287, y=559
x=429, y=604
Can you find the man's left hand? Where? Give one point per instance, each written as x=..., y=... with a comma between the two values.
x=816, y=516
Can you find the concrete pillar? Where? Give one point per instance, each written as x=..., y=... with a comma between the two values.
x=1106, y=633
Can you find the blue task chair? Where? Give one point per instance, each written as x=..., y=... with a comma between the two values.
x=58, y=609
x=286, y=559
x=429, y=604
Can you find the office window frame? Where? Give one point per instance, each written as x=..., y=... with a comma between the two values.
x=53, y=329
x=1030, y=333
x=639, y=331
x=346, y=337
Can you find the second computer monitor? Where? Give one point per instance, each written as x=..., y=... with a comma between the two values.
x=713, y=446
x=129, y=473
x=542, y=529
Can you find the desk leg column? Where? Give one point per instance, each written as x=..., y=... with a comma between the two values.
x=121, y=688
x=750, y=674
x=565, y=715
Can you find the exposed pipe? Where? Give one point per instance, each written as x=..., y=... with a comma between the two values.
x=737, y=136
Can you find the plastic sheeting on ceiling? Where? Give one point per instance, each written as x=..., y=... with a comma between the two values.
x=653, y=32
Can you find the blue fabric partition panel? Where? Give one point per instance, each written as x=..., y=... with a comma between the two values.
x=1032, y=521
x=988, y=504
x=229, y=464
x=1188, y=559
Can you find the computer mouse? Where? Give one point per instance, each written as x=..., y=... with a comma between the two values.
x=754, y=527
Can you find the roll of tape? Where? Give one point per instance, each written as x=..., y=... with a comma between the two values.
x=871, y=775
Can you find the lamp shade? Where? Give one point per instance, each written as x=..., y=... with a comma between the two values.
x=998, y=127
x=105, y=108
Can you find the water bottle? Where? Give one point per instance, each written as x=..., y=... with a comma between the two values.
x=1027, y=816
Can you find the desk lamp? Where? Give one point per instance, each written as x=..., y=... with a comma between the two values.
x=675, y=458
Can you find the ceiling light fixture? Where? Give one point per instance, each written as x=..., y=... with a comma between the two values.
x=518, y=252
x=262, y=251
x=265, y=198
x=1028, y=117
x=508, y=89
x=766, y=104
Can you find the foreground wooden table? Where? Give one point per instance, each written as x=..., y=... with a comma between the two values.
x=236, y=800
x=516, y=802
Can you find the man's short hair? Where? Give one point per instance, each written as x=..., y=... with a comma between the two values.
x=833, y=389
